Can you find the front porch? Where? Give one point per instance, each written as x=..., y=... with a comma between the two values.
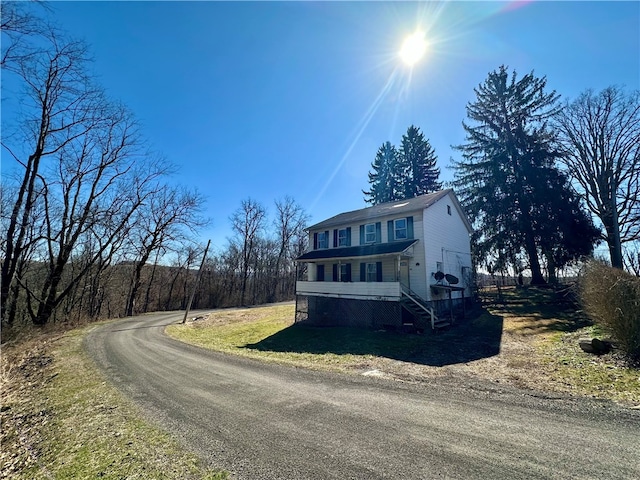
x=387, y=291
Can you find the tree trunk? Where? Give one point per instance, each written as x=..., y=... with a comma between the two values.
x=148, y=292
x=613, y=237
x=534, y=262
x=49, y=291
x=551, y=268
x=135, y=286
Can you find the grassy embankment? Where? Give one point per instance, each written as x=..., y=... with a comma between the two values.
x=60, y=419
x=527, y=337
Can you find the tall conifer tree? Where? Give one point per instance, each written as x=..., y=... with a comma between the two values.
x=507, y=160
x=418, y=171
x=405, y=173
x=384, y=176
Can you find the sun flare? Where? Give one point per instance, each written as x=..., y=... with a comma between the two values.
x=413, y=48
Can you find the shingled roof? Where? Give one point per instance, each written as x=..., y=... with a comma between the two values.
x=383, y=209
x=358, y=251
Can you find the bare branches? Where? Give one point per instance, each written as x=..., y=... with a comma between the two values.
x=247, y=222
x=85, y=173
x=600, y=136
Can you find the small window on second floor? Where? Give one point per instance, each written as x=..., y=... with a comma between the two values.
x=343, y=240
x=400, y=229
x=323, y=240
x=370, y=233
x=449, y=209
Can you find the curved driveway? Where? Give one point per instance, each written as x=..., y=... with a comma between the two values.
x=264, y=421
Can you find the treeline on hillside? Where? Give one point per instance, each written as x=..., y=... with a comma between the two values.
x=255, y=267
x=83, y=191
x=89, y=214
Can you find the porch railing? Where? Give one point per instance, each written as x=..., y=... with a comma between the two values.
x=364, y=290
x=417, y=300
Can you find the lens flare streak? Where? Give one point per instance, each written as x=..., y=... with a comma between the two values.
x=362, y=125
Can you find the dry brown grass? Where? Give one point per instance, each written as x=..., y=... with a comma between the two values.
x=60, y=419
x=24, y=414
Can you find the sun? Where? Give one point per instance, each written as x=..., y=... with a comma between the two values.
x=413, y=48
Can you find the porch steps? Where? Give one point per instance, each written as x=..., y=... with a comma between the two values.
x=421, y=313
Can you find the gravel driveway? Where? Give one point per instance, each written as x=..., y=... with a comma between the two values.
x=265, y=421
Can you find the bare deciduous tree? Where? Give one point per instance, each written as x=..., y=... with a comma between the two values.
x=600, y=135
x=160, y=225
x=291, y=220
x=247, y=223
x=82, y=173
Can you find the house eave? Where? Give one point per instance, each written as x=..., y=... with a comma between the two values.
x=363, y=251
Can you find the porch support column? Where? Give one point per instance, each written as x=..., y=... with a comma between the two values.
x=312, y=272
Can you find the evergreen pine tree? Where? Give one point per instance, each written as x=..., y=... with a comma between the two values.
x=417, y=171
x=383, y=177
x=507, y=159
x=564, y=230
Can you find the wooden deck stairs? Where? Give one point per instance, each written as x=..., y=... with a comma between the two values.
x=424, y=316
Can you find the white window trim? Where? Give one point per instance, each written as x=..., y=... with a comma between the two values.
x=342, y=275
x=396, y=229
x=366, y=233
x=342, y=240
x=323, y=244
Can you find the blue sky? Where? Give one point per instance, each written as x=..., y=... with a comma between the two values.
x=269, y=99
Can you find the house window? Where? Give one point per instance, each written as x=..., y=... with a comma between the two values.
x=370, y=233
x=449, y=209
x=323, y=240
x=400, y=229
x=320, y=273
x=372, y=272
x=345, y=272
x=342, y=238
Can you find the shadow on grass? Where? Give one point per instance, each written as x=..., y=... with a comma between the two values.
x=538, y=310
x=464, y=342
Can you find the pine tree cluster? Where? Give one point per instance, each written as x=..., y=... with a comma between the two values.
x=405, y=172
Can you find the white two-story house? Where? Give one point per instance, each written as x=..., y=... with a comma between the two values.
x=404, y=263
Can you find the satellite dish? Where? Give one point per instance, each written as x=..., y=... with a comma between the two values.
x=439, y=276
x=451, y=279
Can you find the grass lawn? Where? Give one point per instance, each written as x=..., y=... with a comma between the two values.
x=525, y=337
x=60, y=419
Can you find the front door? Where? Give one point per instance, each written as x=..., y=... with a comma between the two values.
x=404, y=273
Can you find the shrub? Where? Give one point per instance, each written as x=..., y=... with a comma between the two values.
x=611, y=297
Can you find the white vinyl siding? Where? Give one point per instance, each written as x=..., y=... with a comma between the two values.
x=446, y=240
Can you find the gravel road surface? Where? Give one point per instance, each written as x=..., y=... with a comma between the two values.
x=265, y=421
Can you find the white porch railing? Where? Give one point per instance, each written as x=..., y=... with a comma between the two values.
x=357, y=290
x=412, y=296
